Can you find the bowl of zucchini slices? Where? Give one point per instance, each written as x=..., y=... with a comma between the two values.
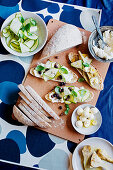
x=23, y=34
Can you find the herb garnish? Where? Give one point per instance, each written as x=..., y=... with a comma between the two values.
x=82, y=92
x=33, y=22
x=21, y=19
x=85, y=64
x=81, y=79
x=39, y=68
x=27, y=27
x=64, y=70
x=57, y=89
x=74, y=93
x=67, y=109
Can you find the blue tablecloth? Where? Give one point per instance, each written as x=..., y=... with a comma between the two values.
x=22, y=138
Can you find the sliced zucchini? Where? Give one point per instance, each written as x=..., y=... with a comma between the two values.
x=32, y=37
x=35, y=45
x=50, y=74
x=27, y=21
x=6, y=29
x=8, y=39
x=7, y=34
x=18, y=14
x=15, y=45
x=29, y=43
x=33, y=28
x=15, y=49
x=24, y=48
x=77, y=64
x=15, y=25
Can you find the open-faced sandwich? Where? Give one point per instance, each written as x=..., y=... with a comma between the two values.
x=83, y=64
x=66, y=37
x=54, y=71
x=69, y=94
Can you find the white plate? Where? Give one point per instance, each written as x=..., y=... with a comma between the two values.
x=95, y=142
x=43, y=34
x=90, y=130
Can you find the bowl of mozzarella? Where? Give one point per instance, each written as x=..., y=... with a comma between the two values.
x=95, y=44
x=86, y=119
x=23, y=34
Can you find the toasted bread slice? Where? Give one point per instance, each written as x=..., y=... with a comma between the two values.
x=71, y=100
x=69, y=77
x=93, y=79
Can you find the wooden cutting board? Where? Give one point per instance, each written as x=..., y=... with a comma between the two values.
x=63, y=127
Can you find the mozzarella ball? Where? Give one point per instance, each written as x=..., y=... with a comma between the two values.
x=94, y=122
x=91, y=116
x=87, y=123
x=82, y=118
x=79, y=111
x=87, y=109
x=86, y=114
x=79, y=124
x=94, y=110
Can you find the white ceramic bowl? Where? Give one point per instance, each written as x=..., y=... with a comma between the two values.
x=43, y=34
x=91, y=129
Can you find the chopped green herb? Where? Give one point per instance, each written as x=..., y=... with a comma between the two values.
x=85, y=64
x=74, y=93
x=81, y=79
x=33, y=22
x=67, y=109
x=29, y=33
x=57, y=89
x=39, y=68
x=64, y=70
x=27, y=27
x=23, y=28
x=21, y=35
x=82, y=92
x=21, y=19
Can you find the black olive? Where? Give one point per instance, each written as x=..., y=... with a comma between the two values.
x=59, y=77
x=52, y=96
x=70, y=88
x=62, y=84
x=56, y=57
x=55, y=66
x=68, y=96
x=60, y=107
x=46, y=69
x=39, y=72
x=61, y=90
x=55, y=95
x=58, y=97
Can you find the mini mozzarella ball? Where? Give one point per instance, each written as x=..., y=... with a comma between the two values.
x=86, y=114
x=94, y=122
x=87, y=123
x=87, y=109
x=94, y=110
x=79, y=111
x=79, y=124
x=82, y=118
x=91, y=116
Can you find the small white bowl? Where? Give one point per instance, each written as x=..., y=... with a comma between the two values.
x=43, y=33
x=91, y=129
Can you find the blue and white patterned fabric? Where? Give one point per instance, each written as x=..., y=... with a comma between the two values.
x=28, y=146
